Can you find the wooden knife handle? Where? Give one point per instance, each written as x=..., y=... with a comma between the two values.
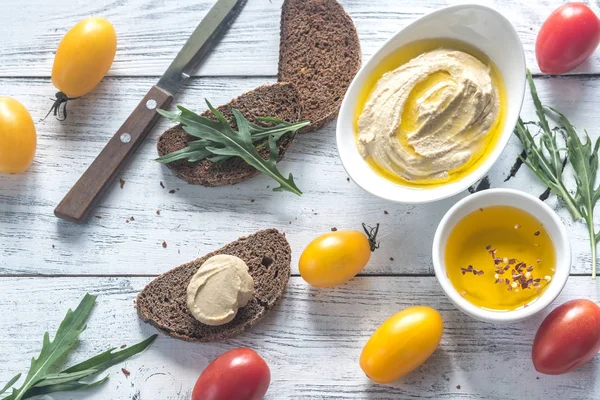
x=81, y=199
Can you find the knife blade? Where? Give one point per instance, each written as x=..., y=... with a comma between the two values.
x=77, y=205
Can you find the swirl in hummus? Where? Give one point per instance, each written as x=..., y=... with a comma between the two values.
x=430, y=116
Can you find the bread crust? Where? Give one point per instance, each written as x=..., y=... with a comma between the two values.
x=163, y=303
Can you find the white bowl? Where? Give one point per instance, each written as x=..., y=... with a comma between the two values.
x=525, y=202
x=482, y=28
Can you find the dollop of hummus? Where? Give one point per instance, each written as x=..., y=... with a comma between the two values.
x=219, y=288
x=429, y=116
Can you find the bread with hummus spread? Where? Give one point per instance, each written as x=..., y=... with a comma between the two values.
x=164, y=302
x=280, y=100
x=320, y=54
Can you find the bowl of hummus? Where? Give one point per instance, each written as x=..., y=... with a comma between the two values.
x=432, y=110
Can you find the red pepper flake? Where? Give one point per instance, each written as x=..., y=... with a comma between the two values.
x=157, y=212
x=385, y=212
x=133, y=219
x=126, y=221
x=121, y=183
x=458, y=387
x=162, y=185
x=164, y=244
x=334, y=229
x=123, y=346
x=537, y=233
x=125, y=372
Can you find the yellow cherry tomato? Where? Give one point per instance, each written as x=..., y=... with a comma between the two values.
x=335, y=257
x=402, y=343
x=84, y=56
x=18, y=138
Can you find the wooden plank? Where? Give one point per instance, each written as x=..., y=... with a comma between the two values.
x=151, y=33
x=312, y=342
x=195, y=220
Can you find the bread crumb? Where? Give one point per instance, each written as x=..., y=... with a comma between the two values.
x=164, y=244
x=125, y=372
x=334, y=229
x=162, y=185
x=121, y=183
x=172, y=191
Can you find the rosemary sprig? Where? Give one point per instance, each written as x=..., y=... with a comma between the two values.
x=41, y=378
x=217, y=141
x=545, y=160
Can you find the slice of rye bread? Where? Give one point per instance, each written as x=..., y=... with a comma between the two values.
x=280, y=100
x=163, y=302
x=320, y=54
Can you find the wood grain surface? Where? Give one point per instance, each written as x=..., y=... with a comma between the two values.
x=150, y=33
x=313, y=339
x=195, y=220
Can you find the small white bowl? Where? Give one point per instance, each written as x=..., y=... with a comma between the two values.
x=527, y=203
x=482, y=28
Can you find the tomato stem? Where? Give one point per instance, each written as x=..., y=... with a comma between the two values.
x=61, y=100
x=372, y=235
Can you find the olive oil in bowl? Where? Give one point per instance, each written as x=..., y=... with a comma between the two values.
x=500, y=258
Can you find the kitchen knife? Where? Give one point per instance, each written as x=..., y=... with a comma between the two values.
x=81, y=199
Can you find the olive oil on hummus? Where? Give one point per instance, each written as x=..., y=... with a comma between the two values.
x=430, y=112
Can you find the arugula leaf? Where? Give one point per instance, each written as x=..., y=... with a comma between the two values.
x=64, y=377
x=107, y=359
x=10, y=383
x=63, y=387
x=584, y=160
x=217, y=141
x=41, y=380
x=544, y=159
x=543, y=156
x=66, y=336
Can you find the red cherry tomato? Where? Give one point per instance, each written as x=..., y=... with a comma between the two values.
x=567, y=38
x=239, y=374
x=568, y=338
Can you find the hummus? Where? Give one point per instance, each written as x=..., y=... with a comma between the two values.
x=430, y=116
x=221, y=286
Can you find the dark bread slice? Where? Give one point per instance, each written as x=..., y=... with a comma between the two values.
x=280, y=100
x=163, y=302
x=320, y=54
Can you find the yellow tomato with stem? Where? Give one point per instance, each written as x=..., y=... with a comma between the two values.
x=336, y=257
x=18, y=138
x=402, y=343
x=84, y=56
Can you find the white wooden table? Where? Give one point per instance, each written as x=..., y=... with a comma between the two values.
x=313, y=339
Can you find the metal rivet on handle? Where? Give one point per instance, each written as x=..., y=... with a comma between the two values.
x=125, y=138
x=151, y=104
